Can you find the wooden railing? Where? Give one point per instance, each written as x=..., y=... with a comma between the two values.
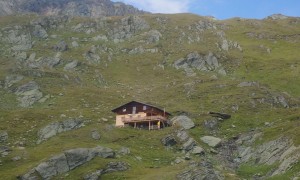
x=146, y=118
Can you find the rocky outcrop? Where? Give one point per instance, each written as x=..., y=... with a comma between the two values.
x=11, y=80
x=203, y=170
x=66, y=161
x=183, y=121
x=39, y=32
x=86, y=8
x=194, y=60
x=127, y=28
x=111, y=167
x=58, y=127
x=91, y=56
x=18, y=38
x=28, y=94
x=43, y=62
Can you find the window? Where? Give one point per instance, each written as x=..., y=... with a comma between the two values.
x=144, y=108
x=124, y=109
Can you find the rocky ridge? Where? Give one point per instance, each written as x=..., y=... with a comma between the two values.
x=87, y=8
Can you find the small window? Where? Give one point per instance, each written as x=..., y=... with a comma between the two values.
x=144, y=107
x=124, y=109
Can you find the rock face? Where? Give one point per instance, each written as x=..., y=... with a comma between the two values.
x=111, y=167
x=211, y=141
x=183, y=121
x=66, y=161
x=194, y=60
x=28, y=94
x=203, y=170
x=58, y=127
x=87, y=8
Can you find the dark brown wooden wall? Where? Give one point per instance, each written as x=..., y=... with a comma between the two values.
x=139, y=108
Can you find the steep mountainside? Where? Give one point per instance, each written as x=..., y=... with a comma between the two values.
x=60, y=77
x=87, y=8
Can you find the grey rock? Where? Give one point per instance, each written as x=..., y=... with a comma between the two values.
x=57, y=127
x=116, y=166
x=111, y=167
x=61, y=46
x=183, y=121
x=3, y=136
x=277, y=17
x=189, y=144
x=211, y=124
x=283, y=101
x=100, y=38
x=225, y=45
x=39, y=32
x=128, y=27
x=182, y=135
x=211, y=141
x=287, y=163
x=16, y=158
x=91, y=56
x=67, y=161
x=11, y=80
x=193, y=60
x=28, y=94
x=95, y=135
x=21, y=56
x=197, y=150
x=124, y=151
x=54, y=166
x=19, y=39
x=75, y=44
x=44, y=62
x=168, y=140
x=153, y=36
x=247, y=84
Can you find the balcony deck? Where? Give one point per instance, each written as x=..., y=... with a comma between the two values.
x=144, y=119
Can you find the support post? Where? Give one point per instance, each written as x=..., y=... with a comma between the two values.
x=149, y=125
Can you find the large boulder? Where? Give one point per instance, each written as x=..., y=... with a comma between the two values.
x=211, y=141
x=54, y=128
x=183, y=121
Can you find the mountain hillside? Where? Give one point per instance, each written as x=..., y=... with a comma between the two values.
x=86, y=8
x=232, y=88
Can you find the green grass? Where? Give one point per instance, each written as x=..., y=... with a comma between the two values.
x=138, y=77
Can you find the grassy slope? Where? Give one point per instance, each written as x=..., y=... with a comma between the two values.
x=137, y=77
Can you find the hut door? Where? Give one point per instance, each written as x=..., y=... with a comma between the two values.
x=133, y=110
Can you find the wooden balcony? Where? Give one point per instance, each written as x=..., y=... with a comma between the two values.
x=143, y=119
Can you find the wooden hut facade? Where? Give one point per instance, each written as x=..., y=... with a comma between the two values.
x=141, y=115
